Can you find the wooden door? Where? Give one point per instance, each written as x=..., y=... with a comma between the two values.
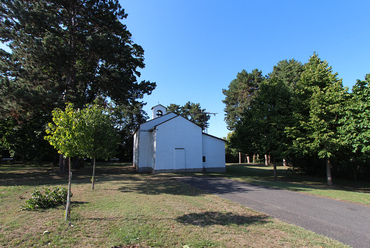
x=180, y=158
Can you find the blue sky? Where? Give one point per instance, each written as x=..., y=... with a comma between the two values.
x=195, y=48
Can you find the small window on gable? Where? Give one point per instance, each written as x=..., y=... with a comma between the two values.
x=159, y=113
x=204, y=159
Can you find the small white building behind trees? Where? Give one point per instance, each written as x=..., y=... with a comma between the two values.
x=171, y=143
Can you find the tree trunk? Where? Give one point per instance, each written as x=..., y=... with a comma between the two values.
x=266, y=160
x=68, y=205
x=254, y=158
x=248, y=159
x=93, y=174
x=328, y=172
x=63, y=165
x=274, y=162
x=240, y=157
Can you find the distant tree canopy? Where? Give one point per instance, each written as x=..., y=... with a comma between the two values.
x=303, y=112
x=65, y=51
x=239, y=95
x=191, y=111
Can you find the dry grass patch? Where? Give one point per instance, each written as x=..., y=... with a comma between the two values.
x=128, y=209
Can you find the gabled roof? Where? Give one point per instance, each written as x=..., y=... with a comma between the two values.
x=214, y=137
x=158, y=119
x=174, y=118
x=164, y=120
x=158, y=105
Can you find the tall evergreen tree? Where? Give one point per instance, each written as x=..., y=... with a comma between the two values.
x=239, y=95
x=127, y=118
x=67, y=50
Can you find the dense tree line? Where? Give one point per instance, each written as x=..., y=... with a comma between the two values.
x=302, y=113
x=65, y=51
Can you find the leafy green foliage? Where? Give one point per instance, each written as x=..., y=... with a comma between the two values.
x=288, y=71
x=323, y=96
x=100, y=138
x=24, y=138
x=239, y=95
x=304, y=114
x=67, y=51
x=67, y=131
x=51, y=197
x=126, y=119
x=355, y=128
x=88, y=132
x=231, y=153
x=64, y=51
x=261, y=129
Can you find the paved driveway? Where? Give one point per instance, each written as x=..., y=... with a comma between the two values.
x=346, y=222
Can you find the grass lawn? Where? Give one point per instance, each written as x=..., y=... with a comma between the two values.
x=345, y=190
x=135, y=210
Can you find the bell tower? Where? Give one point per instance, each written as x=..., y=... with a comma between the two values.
x=158, y=111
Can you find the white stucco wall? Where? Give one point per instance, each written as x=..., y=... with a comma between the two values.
x=214, y=152
x=144, y=148
x=145, y=159
x=136, y=149
x=172, y=143
x=153, y=147
x=181, y=134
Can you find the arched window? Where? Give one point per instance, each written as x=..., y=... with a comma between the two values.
x=159, y=113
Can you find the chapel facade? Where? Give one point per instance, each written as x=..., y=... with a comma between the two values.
x=171, y=143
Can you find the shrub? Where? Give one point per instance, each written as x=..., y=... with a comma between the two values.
x=51, y=198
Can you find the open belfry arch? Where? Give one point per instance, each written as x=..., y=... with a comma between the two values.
x=171, y=143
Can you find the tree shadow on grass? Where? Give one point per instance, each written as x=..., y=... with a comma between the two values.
x=215, y=185
x=31, y=176
x=157, y=185
x=35, y=176
x=78, y=203
x=217, y=218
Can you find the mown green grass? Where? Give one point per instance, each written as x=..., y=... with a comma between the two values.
x=345, y=190
x=131, y=209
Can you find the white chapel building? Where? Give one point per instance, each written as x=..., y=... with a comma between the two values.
x=171, y=143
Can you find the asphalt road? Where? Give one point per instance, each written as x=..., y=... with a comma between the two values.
x=348, y=223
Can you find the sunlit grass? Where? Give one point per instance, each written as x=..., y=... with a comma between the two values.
x=147, y=210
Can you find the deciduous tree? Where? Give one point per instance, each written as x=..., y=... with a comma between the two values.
x=355, y=121
x=100, y=139
x=320, y=99
x=288, y=71
x=262, y=127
